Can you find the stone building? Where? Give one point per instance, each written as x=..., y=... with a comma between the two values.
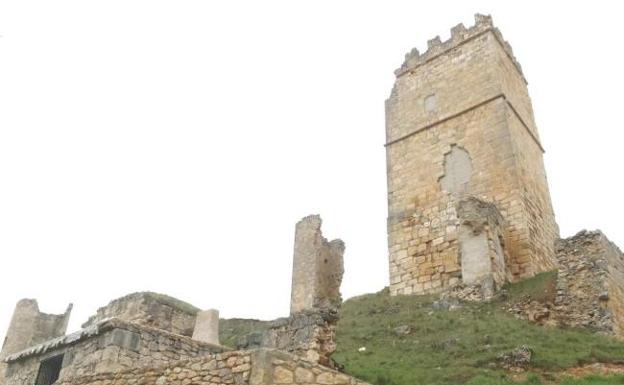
x=154, y=339
x=468, y=198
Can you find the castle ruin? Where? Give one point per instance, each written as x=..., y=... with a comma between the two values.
x=468, y=207
x=155, y=339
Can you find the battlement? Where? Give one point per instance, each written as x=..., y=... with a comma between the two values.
x=459, y=36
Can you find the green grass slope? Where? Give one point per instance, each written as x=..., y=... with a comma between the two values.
x=462, y=346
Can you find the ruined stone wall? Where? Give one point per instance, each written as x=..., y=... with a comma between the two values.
x=533, y=247
x=590, y=285
x=310, y=335
x=451, y=134
x=150, y=309
x=317, y=268
x=221, y=369
x=256, y=367
x=588, y=291
x=281, y=368
x=481, y=245
x=29, y=327
x=109, y=346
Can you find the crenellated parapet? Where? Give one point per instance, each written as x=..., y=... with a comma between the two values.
x=459, y=36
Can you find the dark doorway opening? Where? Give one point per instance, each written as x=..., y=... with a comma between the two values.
x=49, y=370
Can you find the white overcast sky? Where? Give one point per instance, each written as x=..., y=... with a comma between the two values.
x=172, y=146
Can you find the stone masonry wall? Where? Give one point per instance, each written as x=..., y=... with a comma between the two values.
x=109, y=346
x=281, y=368
x=533, y=247
x=29, y=327
x=310, y=335
x=459, y=123
x=423, y=224
x=150, y=309
x=481, y=245
x=590, y=285
x=255, y=367
x=218, y=369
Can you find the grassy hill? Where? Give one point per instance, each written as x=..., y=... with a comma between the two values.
x=411, y=340
x=416, y=340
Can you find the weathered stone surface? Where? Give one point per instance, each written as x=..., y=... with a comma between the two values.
x=247, y=367
x=459, y=123
x=150, y=309
x=317, y=268
x=482, y=255
x=29, y=327
x=589, y=287
x=590, y=283
x=311, y=335
x=282, y=375
x=207, y=327
x=457, y=171
x=109, y=346
x=303, y=376
x=310, y=330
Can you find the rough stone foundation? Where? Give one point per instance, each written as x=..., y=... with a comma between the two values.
x=29, y=326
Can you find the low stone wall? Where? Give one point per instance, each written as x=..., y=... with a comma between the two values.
x=109, y=346
x=225, y=368
x=150, y=309
x=589, y=287
x=288, y=369
x=245, y=367
x=310, y=335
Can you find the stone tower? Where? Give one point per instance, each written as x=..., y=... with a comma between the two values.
x=30, y=327
x=318, y=267
x=468, y=198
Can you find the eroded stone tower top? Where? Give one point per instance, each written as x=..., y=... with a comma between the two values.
x=317, y=268
x=459, y=35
